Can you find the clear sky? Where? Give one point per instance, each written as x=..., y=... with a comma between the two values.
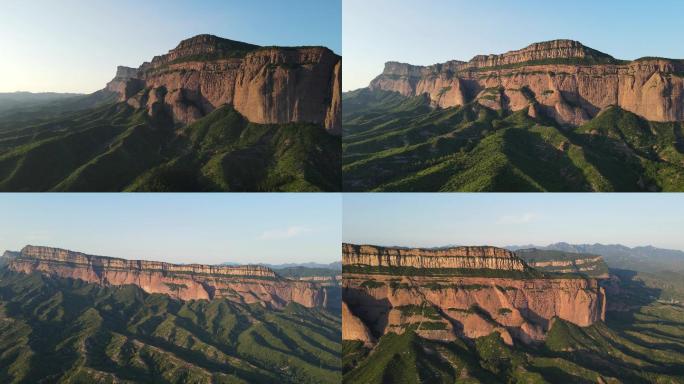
x=183, y=228
x=76, y=45
x=434, y=219
x=425, y=32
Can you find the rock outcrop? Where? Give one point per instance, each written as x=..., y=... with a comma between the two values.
x=561, y=79
x=565, y=262
x=245, y=284
x=444, y=307
x=354, y=329
x=267, y=85
x=454, y=257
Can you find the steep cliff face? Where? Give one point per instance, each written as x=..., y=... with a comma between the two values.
x=268, y=85
x=455, y=257
x=561, y=79
x=444, y=307
x=244, y=284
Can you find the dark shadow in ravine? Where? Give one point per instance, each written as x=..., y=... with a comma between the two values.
x=373, y=312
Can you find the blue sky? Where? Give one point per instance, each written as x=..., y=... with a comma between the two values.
x=75, y=45
x=434, y=219
x=182, y=228
x=430, y=31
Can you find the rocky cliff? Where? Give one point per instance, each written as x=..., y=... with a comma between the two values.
x=267, y=85
x=454, y=257
x=560, y=79
x=444, y=307
x=565, y=262
x=245, y=284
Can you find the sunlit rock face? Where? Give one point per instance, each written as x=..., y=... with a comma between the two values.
x=461, y=292
x=245, y=284
x=561, y=79
x=267, y=85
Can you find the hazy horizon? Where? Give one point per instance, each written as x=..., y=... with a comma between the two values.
x=274, y=228
x=74, y=46
x=513, y=219
x=425, y=33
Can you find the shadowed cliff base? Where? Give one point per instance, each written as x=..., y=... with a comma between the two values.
x=555, y=116
x=211, y=115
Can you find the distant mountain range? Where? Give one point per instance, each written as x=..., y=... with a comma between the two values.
x=642, y=258
x=336, y=265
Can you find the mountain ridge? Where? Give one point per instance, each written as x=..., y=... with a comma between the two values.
x=566, y=81
x=268, y=85
x=242, y=284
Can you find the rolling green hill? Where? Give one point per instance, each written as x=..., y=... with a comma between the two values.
x=108, y=146
x=68, y=331
x=396, y=143
x=644, y=344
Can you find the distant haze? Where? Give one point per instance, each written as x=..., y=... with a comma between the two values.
x=273, y=228
x=428, y=32
x=76, y=45
x=501, y=219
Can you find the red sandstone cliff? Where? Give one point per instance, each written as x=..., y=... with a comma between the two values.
x=519, y=308
x=455, y=257
x=244, y=284
x=562, y=79
x=268, y=85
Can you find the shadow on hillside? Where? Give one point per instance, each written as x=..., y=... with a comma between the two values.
x=627, y=296
x=528, y=150
x=615, y=163
x=373, y=312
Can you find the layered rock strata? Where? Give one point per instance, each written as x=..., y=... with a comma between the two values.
x=267, y=85
x=454, y=257
x=245, y=284
x=561, y=79
x=444, y=307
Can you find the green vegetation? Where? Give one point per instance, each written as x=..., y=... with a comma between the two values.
x=411, y=271
x=64, y=330
x=176, y=287
x=427, y=311
x=395, y=143
x=443, y=90
x=296, y=272
x=115, y=148
x=370, y=284
x=504, y=311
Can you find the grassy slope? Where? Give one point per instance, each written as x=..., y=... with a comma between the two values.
x=392, y=143
x=647, y=346
x=123, y=334
x=114, y=148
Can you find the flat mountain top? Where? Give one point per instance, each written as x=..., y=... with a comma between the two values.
x=63, y=255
